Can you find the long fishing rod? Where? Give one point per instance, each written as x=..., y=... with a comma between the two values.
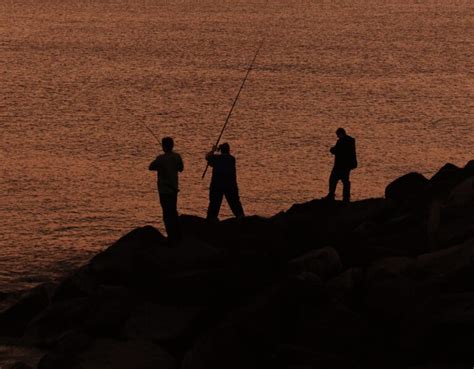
x=234, y=103
x=141, y=122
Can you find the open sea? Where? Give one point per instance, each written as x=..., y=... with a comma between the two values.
x=80, y=79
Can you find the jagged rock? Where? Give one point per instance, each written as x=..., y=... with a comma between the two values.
x=388, y=268
x=59, y=318
x=324, y=262
x=245, y=337
x=345, y=287
x=468, y=169
x=449, y=172
x=81, y=283
x=113, y=354
x=300, y=357
x=119, y=263
x=407, y=189
x=256, y=293
x=444, y=261
x=462, y=195
x=14, y=320
x=388, y=300
x=441, y=326
x=101, y=314
x=18, y=365
x=158, y=323
x=331, y=328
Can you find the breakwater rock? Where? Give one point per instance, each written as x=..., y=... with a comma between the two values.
x=377, y=283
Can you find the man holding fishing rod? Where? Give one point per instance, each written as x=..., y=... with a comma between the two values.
x=168, y=165
x=223, y=182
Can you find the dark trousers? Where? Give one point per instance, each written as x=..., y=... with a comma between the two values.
x=343, y=176
x=215, y=201
x=170, y=216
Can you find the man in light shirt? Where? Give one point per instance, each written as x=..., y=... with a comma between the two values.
x=168, y=165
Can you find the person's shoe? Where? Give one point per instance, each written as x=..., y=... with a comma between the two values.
x=329, y=197
x=212, y=220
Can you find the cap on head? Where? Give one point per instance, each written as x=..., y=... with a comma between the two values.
x=340, y=132
x=167, y=143
x=224, y=148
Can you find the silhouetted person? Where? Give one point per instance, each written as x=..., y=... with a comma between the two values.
x=223, y=183
x=345, y=160
x=168, y=165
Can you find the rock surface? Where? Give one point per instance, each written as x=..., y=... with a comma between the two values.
x=378, y=283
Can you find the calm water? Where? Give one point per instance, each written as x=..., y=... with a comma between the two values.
x=79, y=78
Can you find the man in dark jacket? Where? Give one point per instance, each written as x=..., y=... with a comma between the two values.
x=168, y=165
x=223, y=183
x=345, y=160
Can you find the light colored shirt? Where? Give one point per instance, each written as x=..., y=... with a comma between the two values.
x=167, y=165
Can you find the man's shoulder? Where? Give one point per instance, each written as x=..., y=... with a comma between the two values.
x=169, y=155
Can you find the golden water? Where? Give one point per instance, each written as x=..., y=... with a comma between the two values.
x=79, y=78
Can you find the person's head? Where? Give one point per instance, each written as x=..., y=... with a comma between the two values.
x=167, y=144
x=341, y=132
x=224, y=148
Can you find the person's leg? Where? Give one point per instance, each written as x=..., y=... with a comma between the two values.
x=333, y=179
x=215, y=201
x=233, y=199
x=346, y=189
x=170, y=216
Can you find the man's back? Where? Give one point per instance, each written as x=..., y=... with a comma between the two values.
x=345, y=153
x=224, y=170
x=168, y=165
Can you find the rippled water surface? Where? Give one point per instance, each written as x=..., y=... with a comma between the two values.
x=80, y=78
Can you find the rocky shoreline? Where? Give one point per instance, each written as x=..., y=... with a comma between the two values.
x=379, y=283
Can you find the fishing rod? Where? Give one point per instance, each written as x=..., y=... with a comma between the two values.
x=130, y=112
x=234, y=103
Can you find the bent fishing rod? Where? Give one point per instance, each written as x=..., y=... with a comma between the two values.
x=234, y=103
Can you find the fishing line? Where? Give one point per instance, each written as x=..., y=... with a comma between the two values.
x=140, y=121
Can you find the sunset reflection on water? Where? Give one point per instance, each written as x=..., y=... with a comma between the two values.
x=78, y=77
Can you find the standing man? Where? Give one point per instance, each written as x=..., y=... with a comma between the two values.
x=223, y=183
x=168, y=165
x=345, y=160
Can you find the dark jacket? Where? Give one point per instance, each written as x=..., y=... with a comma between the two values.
x=224, y=174
x=344, y=151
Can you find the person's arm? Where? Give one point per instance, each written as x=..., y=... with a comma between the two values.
x=180, y=164
x=154, y=164
x=210, y=156
x=335, y=148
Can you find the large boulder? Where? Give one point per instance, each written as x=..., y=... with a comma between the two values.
x=157, y=323
x=448, y=172
x=462, y=195
x=388, y=268
x=14, y=320
x=442, y=326
x=245, y=338
x=112, y=354
x=331, y=328
x=444, y=261
x=119, y=263
x=468, y=169
x=408, y=189
x=324, y=262
x=345, y=288
x=101, y=314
